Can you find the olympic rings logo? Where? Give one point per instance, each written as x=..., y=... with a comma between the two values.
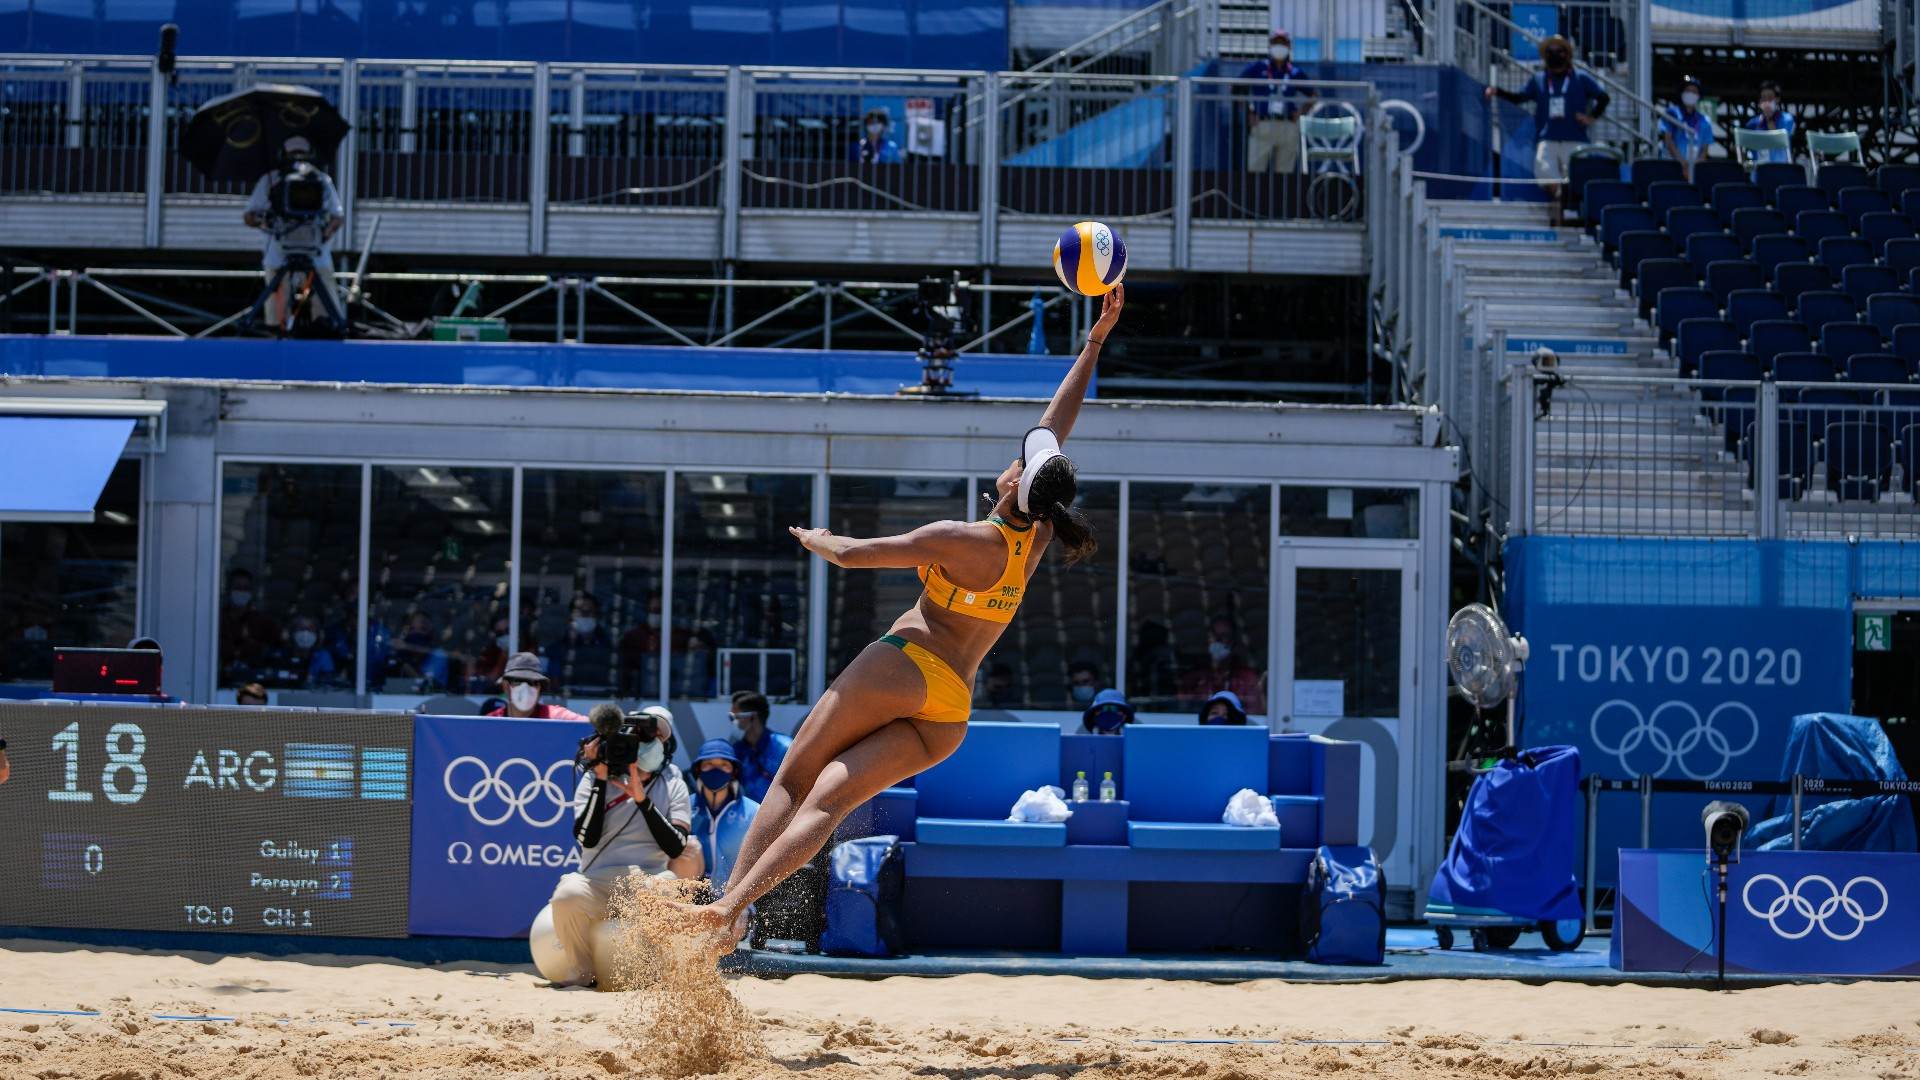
x=1833, y=901
x=1684, y=739
x=492, y=787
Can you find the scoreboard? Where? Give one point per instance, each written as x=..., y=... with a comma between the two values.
x=214, y=819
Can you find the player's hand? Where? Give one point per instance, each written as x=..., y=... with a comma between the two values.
x=813, y=540
x=1489, y=94
x=1110, y=306
x=1585, y=120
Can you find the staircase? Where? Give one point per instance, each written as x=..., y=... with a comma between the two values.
x=1633, y=460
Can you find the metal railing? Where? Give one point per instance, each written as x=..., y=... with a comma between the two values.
x=1174, y=34
x=541, y=138
x=1616, y=52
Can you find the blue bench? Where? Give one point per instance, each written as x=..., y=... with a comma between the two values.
x=965, y=799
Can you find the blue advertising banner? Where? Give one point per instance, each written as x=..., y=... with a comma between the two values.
x=492, y=822
x=1788, y=913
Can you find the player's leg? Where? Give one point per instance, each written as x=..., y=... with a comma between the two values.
x=579, y=904
x=878, y=686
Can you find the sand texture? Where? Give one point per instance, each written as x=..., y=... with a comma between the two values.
x=335, y=1017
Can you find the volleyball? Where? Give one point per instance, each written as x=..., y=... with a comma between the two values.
x=1090, y=259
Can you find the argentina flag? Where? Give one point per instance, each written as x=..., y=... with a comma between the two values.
x=319, y=770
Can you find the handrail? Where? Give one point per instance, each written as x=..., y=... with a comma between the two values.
x=1154, y=10
x=1612, y=85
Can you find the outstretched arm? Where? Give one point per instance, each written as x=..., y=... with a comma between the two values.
x=1064, y=409
x=942, y=541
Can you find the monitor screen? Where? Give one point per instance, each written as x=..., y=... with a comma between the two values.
x=106, y=671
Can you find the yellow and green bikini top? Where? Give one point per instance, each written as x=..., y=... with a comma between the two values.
x=998, y=602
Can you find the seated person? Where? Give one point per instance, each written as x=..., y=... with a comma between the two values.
x=523, y=681
x=1108, y=715
x=1223, y=708
x=301, y=660
x=875, y=146
x=722, y=812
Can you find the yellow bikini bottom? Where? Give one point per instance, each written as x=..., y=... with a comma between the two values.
x=949, y=700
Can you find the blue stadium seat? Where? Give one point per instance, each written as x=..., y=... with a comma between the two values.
x=1676, y=304
x=1685, y=221
x=1906, y=344
x=1797, y=198
x=1813, y=226
x=1863, y=280
x=1774, y=175
x=1602, y=194
x=1647, y=172
x=1710, y=174
x=964, y=800
x=1769, y=338
x=1913, y=281
x=1906, y=450
x=1706, y=248
x=1657, y=274
x=1818, y=308
x=1796, y=456
x=1734, y=409
x=1839, y=252
x=1700, y=336
x=1750, y=223
x=1873, y=367
x=1901, y=256
x=1910, y=203
x=1843, y=340
x=1880, y=229
x=1584, y=170
x=1890, y=310
x=1776, y=250
x=1726, y=198
x=1624, y=218
x=1790, y=279
x=1895, y=179
x=1857, y=202
x=1859, y=455
x=1748, y=306
x=1802, y=367
x=1636, y=248
x=1729, y=365
x=1839, y=176
x=1726, y=275
x=1667, y=194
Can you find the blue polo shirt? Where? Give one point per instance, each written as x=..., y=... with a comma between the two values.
x=721, y=834
x=1557, y=99
x=759, y=762
x=1691, y=130
x=1782, y=120
x=1275, y=99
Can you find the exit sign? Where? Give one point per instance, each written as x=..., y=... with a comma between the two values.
x=1873, y=631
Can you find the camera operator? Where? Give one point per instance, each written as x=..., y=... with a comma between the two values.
x=299, y=209
x=641, y=829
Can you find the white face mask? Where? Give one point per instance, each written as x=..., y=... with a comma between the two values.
x=523, y=696
x=653, y=620
x=304, y=639
x=240, y=598
x=1280, y=53
x=1769, y=107
x=1219, y=651
x=874, y=130
x=652, y=756
x=1689, y=99
x=34, y=633
x=501, y=641
x=584, y=624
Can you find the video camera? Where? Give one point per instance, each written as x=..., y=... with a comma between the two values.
x=620, y=735
x=300, y=192
x=941, y=310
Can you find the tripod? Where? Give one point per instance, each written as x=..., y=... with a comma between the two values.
x=1720, y=931
x=300, y=248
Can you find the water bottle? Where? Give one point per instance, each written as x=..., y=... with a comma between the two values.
x=1080, y=786
x=1108, y=790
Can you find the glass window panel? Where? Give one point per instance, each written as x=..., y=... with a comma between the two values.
x=438, y=587
x=740, y=584
x=290, y=592
x=1066, y=626
x=70, y=584
x=1348, y=628
x=1197, y=595
x=1360, y=512
x=590, y=550
x=863, y=604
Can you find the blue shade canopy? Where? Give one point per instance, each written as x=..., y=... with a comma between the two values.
x=52, y=468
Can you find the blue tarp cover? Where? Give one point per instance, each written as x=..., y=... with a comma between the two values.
x=55, y=466
x=1518, y=840
x=1833, y=746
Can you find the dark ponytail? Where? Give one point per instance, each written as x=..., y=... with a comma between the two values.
x=1074, y=532
x=1052, y=497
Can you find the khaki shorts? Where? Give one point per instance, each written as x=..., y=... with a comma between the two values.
x=1551, y=158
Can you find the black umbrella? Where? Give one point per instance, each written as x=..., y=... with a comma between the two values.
x=238, y=136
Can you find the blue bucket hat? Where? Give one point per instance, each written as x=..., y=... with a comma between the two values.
x=1108, y=702
x=1238, y=715
x=717, y=748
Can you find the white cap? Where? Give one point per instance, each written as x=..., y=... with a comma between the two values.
x=1039, y=447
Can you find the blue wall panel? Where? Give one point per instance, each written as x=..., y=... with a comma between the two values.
x=963, y=34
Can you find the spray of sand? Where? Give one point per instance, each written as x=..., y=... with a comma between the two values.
x=685, y=1021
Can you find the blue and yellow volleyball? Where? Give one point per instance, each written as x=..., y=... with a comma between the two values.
x=1090, y=258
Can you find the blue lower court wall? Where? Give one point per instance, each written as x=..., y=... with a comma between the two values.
x=1688, y=659
x=517, y=364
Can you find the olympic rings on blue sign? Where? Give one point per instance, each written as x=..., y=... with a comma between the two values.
x=1676, y=748
x=516, y=800
x=1799, y=908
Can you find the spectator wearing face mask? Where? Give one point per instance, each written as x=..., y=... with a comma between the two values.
x=523, y=681
x=1565, y=103
x=1773, y=116
x=874, y=146
x=247, y=636
x=1083, y=681
x=721, y=811
x=1273, y=108
x=583, y=657
x=760, y=749
x=301, y=660
x=416, y=654
x=1223, y=708
x=1223, y=669
x=1108, y=715
x=1685, y=130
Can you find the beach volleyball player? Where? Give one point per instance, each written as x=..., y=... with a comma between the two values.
x=901, y=706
